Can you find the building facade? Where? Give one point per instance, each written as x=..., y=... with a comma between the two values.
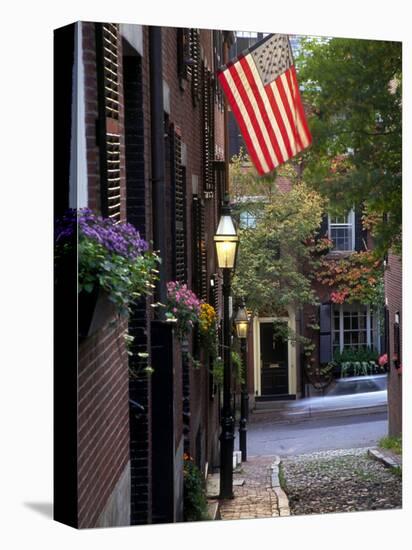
x=393, y=317
x=139, y=128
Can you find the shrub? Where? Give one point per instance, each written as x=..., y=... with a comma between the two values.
x=194, y=492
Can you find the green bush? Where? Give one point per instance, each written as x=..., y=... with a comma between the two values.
x=194, y=492
x=392, y=443
x=350, y=355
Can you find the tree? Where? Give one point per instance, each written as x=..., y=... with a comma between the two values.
x=275, y=254
x=352, y=89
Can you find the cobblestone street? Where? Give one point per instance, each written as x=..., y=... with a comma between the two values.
x=339, y=481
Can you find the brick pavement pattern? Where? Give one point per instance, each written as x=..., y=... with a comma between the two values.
x=256, y=498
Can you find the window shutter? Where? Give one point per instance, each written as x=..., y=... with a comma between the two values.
x=323, y=229
x=110, y=69
x=325, y=340
x=107, y=37
x=360, y=233
x=113, y=176
x=179, y=205
x=195, y=69
x=217, y=63
x=183, y=52
x=199, y=249
x=208, y=152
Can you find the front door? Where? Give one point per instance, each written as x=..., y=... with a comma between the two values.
x=273, y=362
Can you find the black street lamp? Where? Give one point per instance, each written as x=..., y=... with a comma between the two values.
x=242, y=323
x=226, y=240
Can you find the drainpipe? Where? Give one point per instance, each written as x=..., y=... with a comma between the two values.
x=302, y=357
x=158, y=156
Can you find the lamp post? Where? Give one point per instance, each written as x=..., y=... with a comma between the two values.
x=226, y=240
x=242, y=323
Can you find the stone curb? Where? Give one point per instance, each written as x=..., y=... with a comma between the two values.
x=282, y=417
x=283, y=502
x=213, y=509
x=386, y=460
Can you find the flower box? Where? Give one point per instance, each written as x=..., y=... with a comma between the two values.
x=95, y=310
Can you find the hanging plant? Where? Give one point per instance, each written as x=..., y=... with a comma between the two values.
x=111, y=257
x=184, y=306
x=208, y=329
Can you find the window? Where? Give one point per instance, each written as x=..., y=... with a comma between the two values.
x=354, y=327
x=247, y=220
x=246, y=34
x=342, y=231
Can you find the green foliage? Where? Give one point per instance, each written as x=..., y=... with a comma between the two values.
x=237, y=368
x=139, y=364
x=123, y=279
x=208, y=329
x=356, y=278
x=360, y=368
x=358, y=362
x=353, y=89
x=217, y=370
x=273, y=265
x=183, y=306
x=319, y=375
x=194, y=492
x=392, y=443
x=352, y=355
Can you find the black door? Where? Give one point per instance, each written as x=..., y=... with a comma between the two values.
x=274, y=362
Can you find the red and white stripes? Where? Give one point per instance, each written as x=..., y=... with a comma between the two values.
x=271, y=117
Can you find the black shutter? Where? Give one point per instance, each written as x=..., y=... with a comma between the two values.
x=199, y=250
x=323, y=229
x=183, y=52
x=195, y=68
x=325, y=340
x=179, y=205
x=360, y=233
x=108, y=135
x=208, y=137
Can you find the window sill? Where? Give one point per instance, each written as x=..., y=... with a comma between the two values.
x=336, y=254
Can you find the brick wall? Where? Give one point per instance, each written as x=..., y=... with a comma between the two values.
x=103, y=420
x=103, y=392
x=91, y=114
x=188, y=117
x=393, y=295
x=137, y=132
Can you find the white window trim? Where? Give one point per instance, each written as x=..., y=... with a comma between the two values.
x=351, y=224
x=369, y=329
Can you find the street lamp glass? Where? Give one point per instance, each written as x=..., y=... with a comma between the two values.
x=241, y=322
x=241, y=329
x=226, y=240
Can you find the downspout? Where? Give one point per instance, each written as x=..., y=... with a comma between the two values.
x=158, y=157
x=301, y=357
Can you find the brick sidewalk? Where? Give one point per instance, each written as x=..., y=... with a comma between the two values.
x=256, y=498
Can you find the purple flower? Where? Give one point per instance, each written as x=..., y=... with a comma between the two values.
x=121, y=238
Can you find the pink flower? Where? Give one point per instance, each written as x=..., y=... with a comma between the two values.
x=383, y=359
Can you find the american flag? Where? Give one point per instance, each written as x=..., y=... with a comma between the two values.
x=263, y=93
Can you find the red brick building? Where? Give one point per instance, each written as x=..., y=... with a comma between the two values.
x=139, y=132
x=393, y=306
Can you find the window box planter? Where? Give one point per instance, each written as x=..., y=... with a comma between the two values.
x=95, y=311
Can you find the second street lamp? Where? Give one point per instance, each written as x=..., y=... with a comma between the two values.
x=226, y=240
x=242, y=323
